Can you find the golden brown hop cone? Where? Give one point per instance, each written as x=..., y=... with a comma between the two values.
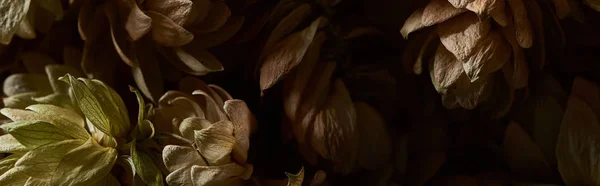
x=179, y=31
x=478, y=39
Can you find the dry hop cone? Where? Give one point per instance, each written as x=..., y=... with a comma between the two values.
x=24, y=18
x=214, y=131
x=473, y=42
x=324, y=119
x=577, y=142
x=142, y=32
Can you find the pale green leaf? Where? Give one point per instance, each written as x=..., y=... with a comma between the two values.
x=177, y=157
x=577, y=146
x=228, y=174
x=216, y=142
x=145, y=127
x=8, y=163
x=295, y=179
x=85, y=165
x=13, y=12
x=89, y=105
x=8, y=144
x=112, y=106
x=33, y=134
x=145, y=167
x=13, y=177
x=61, y=100
x=41, y=162
x=23, y=83
x=54, y=6
x=21, y=101
x=65, y=119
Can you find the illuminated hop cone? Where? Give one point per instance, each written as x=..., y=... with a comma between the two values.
x=475, y=48
x=213, y=131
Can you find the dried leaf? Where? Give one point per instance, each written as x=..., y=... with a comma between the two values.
x=220, y=92
x=136, y=22
x=489, y=56
x=319, y=178
x=168, y=33
x=26, y=29
x=413, y=23
x=173, y=108
x=55, y=7
x=199, y=11
x=13, y=13
x=176, y=10
x=216, y=142
x=287, y=54
x=503, y=97
x=523, y=155
x=375, y=143
x=120, y=37
x=228, y=174
x=217, y=17
x=243, y=123
x=295, y=179
x=295, y=84
x=446, y=69
x=211, y=104
x=429, y=46
x=194, y=61
x=523, y=29
x=486, y=8
x=147, y=74
x=319, y=84
x=438, y=11
x=588, y=92
x=286, y=26
x=536, y=17
x=180, y=177
x=460, y=3
x=335, y=131
x=517, y=73
x=470, y=94
x=462, y=34
x=227, y=31
x=577, y=143
x=86, y=21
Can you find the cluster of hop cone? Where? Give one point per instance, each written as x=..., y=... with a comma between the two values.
x=75, y=73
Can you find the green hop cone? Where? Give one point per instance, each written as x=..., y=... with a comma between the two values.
x=51, y=144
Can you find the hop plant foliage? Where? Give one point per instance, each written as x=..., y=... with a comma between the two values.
x=77, y=145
